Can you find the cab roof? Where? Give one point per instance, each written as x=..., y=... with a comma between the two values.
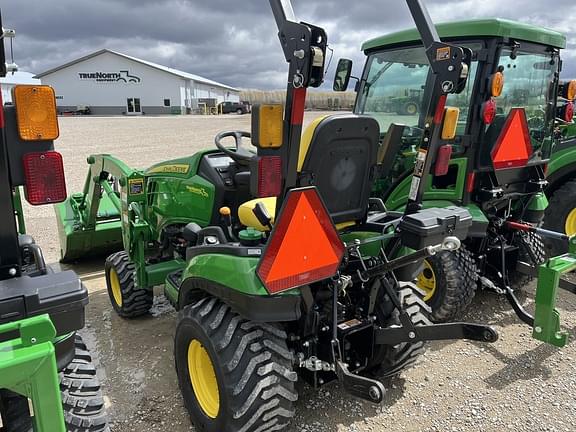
x=494, y=27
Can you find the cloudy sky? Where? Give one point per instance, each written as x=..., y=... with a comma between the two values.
x=234, y=41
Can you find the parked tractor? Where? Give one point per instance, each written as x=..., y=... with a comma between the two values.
x=494, y=161
x=281, y=264
x=42, y=358
x=561, y=175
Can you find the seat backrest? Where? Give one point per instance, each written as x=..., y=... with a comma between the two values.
x=340, y=161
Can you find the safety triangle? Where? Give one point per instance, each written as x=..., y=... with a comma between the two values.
x=513, y=147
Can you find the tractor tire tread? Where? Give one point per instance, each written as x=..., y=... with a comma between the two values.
x=457, y=271
x=256, y=364
x=560, y=204
x=532, y=240
x=135, y=301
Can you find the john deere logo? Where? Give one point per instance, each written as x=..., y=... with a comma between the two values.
x=107, y=77
x=198, y=191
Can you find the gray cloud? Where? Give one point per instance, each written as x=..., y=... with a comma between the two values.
x=235, y=41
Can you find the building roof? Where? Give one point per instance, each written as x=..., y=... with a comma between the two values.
x=179, y=73
x=19, y=77
x=495, y=27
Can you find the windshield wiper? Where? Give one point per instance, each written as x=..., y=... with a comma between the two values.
x=377, y=76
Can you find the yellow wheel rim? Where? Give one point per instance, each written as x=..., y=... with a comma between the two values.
x=115, y=285
x=203, y=379
x=570, y=226
x=411, y=109
x=427, y=281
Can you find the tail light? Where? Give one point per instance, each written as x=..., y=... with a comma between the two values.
x=44, y=173
x=442, y=160
x=488, y=111
x=269, y=176
x=470, y=182
x=566, y=112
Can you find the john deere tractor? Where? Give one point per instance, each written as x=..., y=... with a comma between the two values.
x=492, y=160
x=43, y=361
x=280, y=263
x=561, y=174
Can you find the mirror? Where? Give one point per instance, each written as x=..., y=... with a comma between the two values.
x=342, y=77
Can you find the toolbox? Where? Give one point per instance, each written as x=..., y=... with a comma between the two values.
x=430, y=226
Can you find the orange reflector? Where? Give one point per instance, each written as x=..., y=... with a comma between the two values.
x=36, y=112
x=304, y=246
x=513, y=147
x=496, y=84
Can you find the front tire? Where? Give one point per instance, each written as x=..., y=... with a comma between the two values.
x=235, y=375
x=560, y=216
x=127, y=299
x=239, y=111
x=449, y=280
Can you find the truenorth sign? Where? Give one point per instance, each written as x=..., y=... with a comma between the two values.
x=107, y=77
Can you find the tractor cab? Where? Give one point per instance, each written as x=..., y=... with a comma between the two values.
x=498, y=151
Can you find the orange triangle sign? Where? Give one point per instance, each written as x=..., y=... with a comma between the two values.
x=304, y=246
x=513, y=147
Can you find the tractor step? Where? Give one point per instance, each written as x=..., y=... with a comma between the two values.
x=172, y=287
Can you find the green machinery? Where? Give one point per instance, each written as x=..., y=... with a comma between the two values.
x=281, y=265
x=561, y=174
x=43, y=362
x=494, y=163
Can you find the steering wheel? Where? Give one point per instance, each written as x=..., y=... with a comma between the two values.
x=240, y=154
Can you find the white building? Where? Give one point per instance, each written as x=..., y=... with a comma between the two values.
x=12, y=79
x=110, y=82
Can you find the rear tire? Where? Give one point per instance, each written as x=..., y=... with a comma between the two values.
x=561, y=216
x=82, y=400
x=251, y=384
x=127, y=299
x=450, y=279
x=535, y=244
x=391, y=360
x=239, y=111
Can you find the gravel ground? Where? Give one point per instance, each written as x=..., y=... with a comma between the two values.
x=514, y=384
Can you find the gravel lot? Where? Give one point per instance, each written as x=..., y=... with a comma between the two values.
x=515, y=384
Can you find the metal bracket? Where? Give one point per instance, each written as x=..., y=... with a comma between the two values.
x=359, y=386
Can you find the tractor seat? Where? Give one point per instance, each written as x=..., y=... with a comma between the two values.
x=338, y=156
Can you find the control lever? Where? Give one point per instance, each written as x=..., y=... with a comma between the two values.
x=262, y=215
x=226, y=217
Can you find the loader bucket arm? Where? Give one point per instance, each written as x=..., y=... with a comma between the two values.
x=97, y=221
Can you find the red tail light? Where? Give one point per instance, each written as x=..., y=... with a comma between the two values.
x=443, y=160
x=470, y=182
x=44, y=173
x=269, y=176
x=488, y=111
x=566, y=112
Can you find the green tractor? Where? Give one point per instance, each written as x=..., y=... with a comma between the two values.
x=561, y=175
x=280, y=263
x=43, y=361
x=492, y=161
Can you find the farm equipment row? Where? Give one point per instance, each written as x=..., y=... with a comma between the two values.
x=329, y=254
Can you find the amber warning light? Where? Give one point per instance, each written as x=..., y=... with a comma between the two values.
x=304, y=246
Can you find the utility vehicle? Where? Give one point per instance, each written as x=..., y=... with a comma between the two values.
x=42, y=358
x=495, y=164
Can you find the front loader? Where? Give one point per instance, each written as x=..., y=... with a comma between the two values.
x=491, y=155
x=44, y=363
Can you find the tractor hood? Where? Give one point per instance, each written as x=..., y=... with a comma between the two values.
x=480, y=28
x=184, y=167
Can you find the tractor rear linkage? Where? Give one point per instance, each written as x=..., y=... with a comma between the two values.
x=370, y=389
